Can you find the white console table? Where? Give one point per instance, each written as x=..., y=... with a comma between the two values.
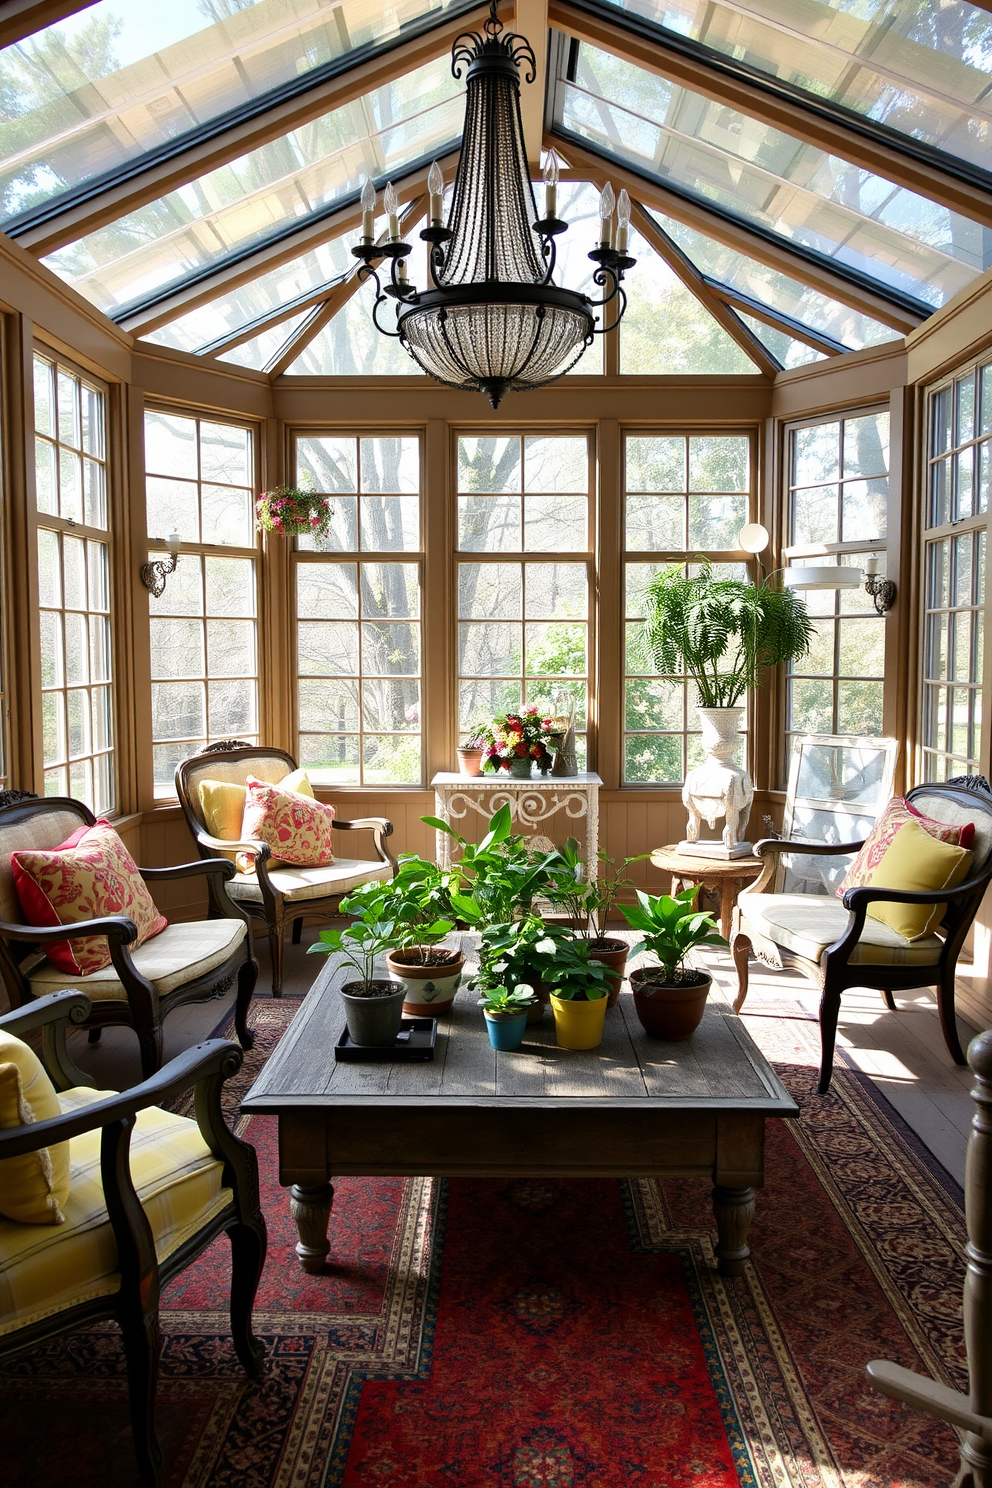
x=532, y=803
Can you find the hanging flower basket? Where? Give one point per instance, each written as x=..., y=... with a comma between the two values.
x=293, y=512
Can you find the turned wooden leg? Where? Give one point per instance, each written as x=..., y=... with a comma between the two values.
x=733, y=1208
x=311, y=1211
x=741, y=951
x=888, y=999
x=728, y=893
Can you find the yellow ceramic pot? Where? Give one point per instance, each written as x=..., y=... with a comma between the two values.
x=579, y=1025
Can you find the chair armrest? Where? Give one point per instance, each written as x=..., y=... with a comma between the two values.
x=117, y=928
x=379, y=826
x=261, y=850
x=219, y=867
x=53, y=1008
x=768, y=846
x=866, y=894
x=215, y=1057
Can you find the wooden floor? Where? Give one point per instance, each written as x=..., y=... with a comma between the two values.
x=903, y=1053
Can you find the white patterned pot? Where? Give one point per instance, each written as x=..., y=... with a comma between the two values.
x=430, y=990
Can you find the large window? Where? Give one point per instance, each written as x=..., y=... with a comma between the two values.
x=838, y=513
x=74, y=585
x=685, y=497
x=959, y=475
x=204, y=651
x=358, y=612
x=523, y=576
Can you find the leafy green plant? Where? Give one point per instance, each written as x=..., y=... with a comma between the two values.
x=496, y=877
x=722, y=633
x=387, y=917
x=523, y=950
x=588, y=903
x=670, y=927
x=575, y=976
x=496, y=1000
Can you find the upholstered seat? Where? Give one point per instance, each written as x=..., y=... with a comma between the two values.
x=274, y=892
x=808, y=923
x=179, y=954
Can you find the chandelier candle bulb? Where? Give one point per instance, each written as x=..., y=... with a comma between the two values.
x=550, y=185
x=391, y=204
x=607, y=202
x=368, y=210
x=401, y=272
x=623, y=221
x=435, y=185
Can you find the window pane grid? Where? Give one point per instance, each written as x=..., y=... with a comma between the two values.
x=524, y=578
x=203, y=627
x=953, y=654
x=74, y=587
x=358, y=631
x=684, y=495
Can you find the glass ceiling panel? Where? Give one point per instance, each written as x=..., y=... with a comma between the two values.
x=729, y=160
x=263, y=348
x=241, y=204
x=922, y=69
x=107, y=85
x=785, y=349
x=350, y=345
x=778, y=291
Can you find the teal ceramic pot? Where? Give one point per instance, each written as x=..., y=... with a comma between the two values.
x=506, y=1030
x=519, y=769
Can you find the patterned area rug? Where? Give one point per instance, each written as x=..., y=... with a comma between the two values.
x=547, y=1334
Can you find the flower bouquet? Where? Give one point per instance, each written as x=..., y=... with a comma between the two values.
x=293, y=511
x=516, y=741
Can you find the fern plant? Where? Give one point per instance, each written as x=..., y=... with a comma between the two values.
x=722, y=633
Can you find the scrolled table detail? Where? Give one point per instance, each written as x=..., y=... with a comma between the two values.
x=531, y=803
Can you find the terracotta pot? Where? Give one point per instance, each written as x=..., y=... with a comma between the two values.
x=430, y=990
x=470, y=761
x=613, y=954
x=672, y=1013
x=543, y=995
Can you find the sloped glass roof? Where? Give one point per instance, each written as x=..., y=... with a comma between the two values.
x=123, y=78
x=924, y=70
x=786, y=350
x=721, y=157
x=265, y=347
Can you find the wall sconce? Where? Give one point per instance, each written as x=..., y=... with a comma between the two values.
x=154, y=575
x=882, y=591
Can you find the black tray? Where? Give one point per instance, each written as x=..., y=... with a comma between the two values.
x=415, y=1041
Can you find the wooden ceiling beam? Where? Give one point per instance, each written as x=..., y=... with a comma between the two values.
x=311, y=235
x=809, y=120
x=22, y=18
x=122, y=196
x=739, y=237
x=531, y=20
x=784, y=323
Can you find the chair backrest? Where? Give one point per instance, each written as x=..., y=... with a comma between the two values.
x=967, y=798
x=39, y=823
x=233, y=765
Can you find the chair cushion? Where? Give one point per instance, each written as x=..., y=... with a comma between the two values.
x=45, y=1269
x=298, y=829
x=33, y=1187
x=918, y=862
x=89, y=875
x=181, y=954
x=296, y=884
x=808, y=923
x=897, y=813
x=222, y=804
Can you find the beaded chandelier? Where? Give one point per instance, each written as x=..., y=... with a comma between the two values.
x=491, y=318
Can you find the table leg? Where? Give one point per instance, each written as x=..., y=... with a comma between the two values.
x=733, y=1208
x=311, y=1211
x=442, y=842
x=728, y=895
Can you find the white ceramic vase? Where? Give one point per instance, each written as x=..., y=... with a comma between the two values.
x=718, y=788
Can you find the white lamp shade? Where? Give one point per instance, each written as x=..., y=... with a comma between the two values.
x=753, y=538
x=821, y=576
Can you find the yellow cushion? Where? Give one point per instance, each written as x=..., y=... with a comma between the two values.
x=44, y=1270
x=34, y=1187
x=916, y=862
x=222, y=803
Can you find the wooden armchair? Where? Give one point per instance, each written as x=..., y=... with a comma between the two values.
x=184, y=963
x=833, y=942
x=275, y=895
x=133, y=1220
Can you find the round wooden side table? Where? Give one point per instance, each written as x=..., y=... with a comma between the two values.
x=725, y=876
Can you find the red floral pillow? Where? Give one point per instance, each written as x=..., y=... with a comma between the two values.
x=897, y=813
x=90, y=875
x=298, y=829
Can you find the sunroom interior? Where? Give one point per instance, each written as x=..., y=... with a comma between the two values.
x=807, y=345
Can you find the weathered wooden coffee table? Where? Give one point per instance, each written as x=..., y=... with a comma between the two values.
x=632, y=1107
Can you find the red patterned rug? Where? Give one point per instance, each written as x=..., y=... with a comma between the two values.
x=547, y=1334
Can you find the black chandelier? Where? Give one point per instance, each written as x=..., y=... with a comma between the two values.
x=492, y=319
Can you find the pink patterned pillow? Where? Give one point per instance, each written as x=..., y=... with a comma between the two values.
x=896, y=814
x=90, y=875
x=297, y=828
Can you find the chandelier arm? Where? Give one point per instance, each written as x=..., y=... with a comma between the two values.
x=619, y=315
x=368, y=272
x=549, y=249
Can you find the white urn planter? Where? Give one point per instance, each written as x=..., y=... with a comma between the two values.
x=718, y=789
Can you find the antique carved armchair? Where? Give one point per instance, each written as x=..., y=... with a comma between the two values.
x=833, y=942
x=135, y=1216
x=185, y=963
x=275, y=895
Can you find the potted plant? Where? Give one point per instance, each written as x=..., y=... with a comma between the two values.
x=723, y=634
x=373, y=1006
x=579, y=995
x=524, y=950
x=470, y=753
x=416, y=900
x=506, y=1014
x=670, y=998
x=589, y=904
x=497, y=877
x=517, y=741
x=293, y=511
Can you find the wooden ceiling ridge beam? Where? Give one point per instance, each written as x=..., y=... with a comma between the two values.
x=778, y=255
x=20, y=19
x=336, y=300
x=797, y=329
x=161, y=176
x=530, y=19
x=270, y=256
x=817, y=122
x=686, y=271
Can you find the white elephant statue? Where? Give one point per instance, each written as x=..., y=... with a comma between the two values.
x=716, y=790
